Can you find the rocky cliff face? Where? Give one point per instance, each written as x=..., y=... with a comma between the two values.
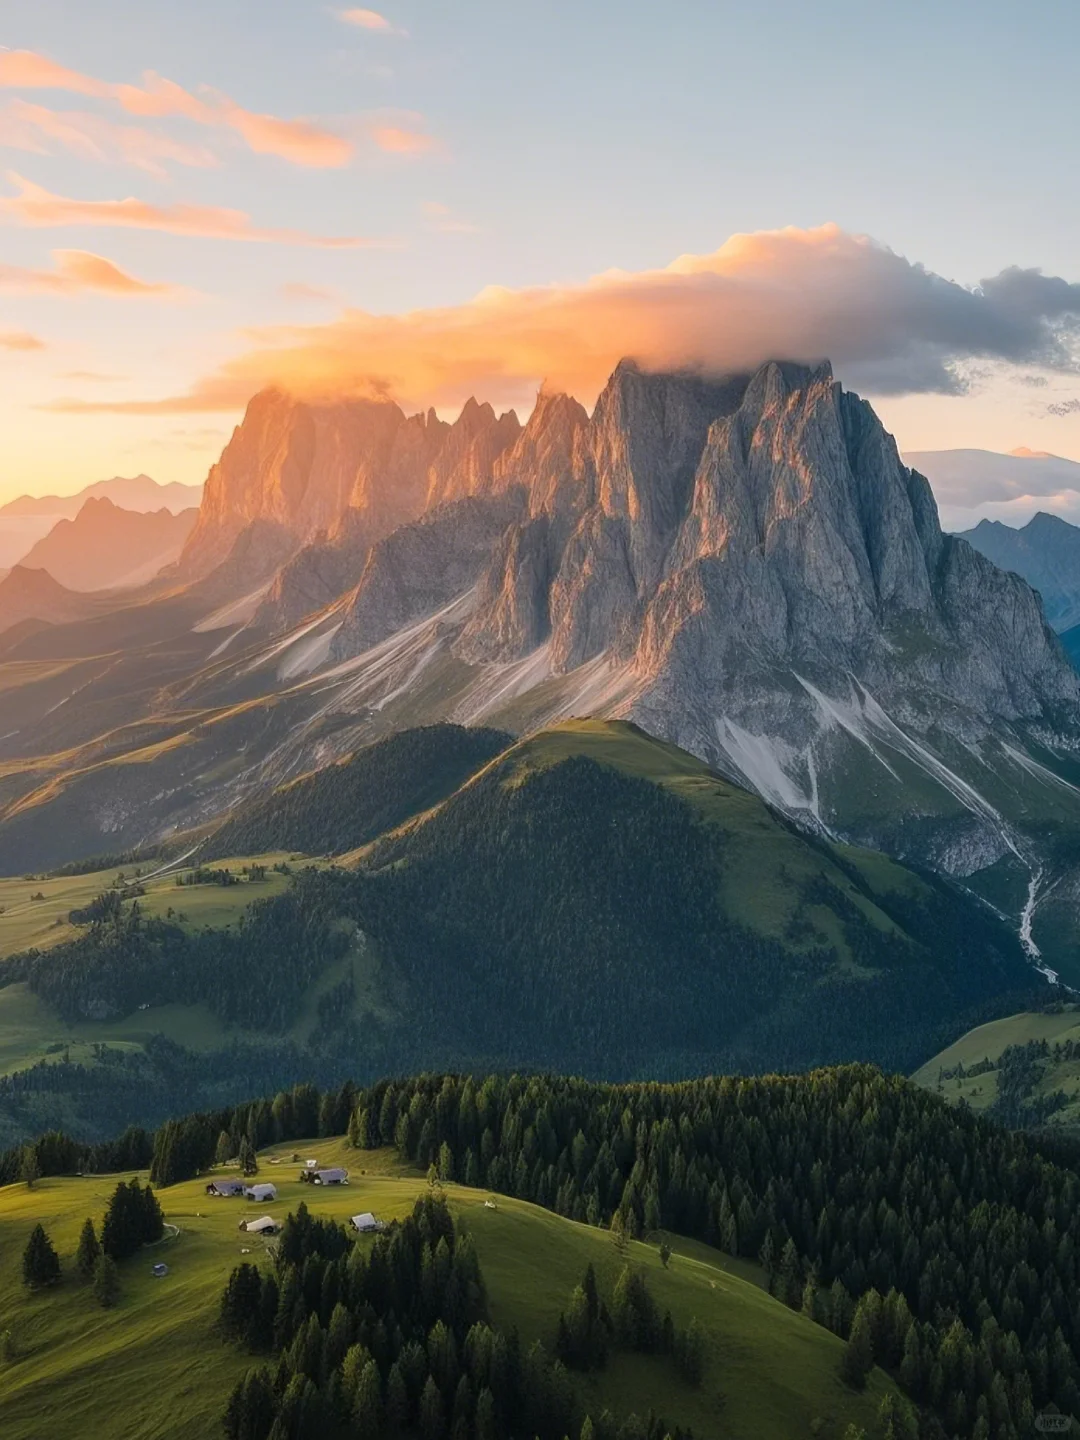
x=761, y=580
x=336, y=478
x=728, y=541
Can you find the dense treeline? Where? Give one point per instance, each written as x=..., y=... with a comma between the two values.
x=344, y=806
x=1019, y=1071
x=938, y=1244
x=182, y=1148
x=862, y=1185
x=387, y=1341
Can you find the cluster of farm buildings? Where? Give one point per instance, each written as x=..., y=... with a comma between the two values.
x=264, y=1192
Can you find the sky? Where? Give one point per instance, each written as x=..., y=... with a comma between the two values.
x=428, y=200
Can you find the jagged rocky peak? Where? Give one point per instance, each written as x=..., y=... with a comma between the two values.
x=648, y=430
x=811, y=551
x=467, y=458
x=301, y=464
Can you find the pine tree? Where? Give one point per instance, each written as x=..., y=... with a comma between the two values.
x=29, y=1166
x=790, y=1279
x=368, y=1405
x=249, y=1163
x=858, y=1358
x=41, y=1264
x=224, y=1150
x=432, y=1424
x=89, y=1250
x=397, y=1399
x=153, y=1222
x=106, y=1285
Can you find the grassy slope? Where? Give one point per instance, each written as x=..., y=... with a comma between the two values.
x=153, y=1368
x=767, y=859
x=988, y=1041
x=26, y=922
x=30, y=1031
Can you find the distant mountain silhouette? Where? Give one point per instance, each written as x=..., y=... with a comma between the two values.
x=24, y=521
x=105, y=547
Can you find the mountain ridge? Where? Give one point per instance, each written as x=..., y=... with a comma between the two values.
x=105, y=547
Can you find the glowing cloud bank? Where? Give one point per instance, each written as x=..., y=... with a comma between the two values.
x=890, y=327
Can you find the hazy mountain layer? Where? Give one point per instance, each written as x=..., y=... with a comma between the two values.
x=106, y=547
x=1046, y=552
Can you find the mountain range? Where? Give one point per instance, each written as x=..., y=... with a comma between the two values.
x=741, y=566
x=108, y=547
x=27, y=519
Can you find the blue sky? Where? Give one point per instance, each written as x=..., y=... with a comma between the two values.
x=516, y=145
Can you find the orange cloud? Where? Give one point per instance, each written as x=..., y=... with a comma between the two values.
x=294, y=140
x=36, y=128
x=396, y=140
x=77, y=271
x=35, y=206
x=369, y=20
x=301, y=142
x=890, y=326
x=19, y=340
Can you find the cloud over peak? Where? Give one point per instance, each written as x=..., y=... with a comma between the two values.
x=889, y=326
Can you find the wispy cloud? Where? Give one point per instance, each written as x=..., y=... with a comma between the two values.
x=301, y=290
x=370, y=20
x=97, y=377
x=440, y=217
x=890, y=326
x=299, y=141
x=35, y=128
x=75, y=272
x=37, y=207
x=403, y=138
x=1064, y=407
x=20, y=340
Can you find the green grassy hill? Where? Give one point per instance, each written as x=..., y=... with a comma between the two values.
x=154, y=1368
x=1023, y=1069
x=624, y=911
x=610, y=895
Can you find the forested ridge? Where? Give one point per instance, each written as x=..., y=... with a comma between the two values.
x=344, y=806
x=940, y=1245
x=585, y=907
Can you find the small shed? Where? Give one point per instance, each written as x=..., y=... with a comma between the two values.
x=366, y=1223
x=225, y=1187
x=261, y=1193
x=265, y=1225
x=160, y=1270
x=331, y=1177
